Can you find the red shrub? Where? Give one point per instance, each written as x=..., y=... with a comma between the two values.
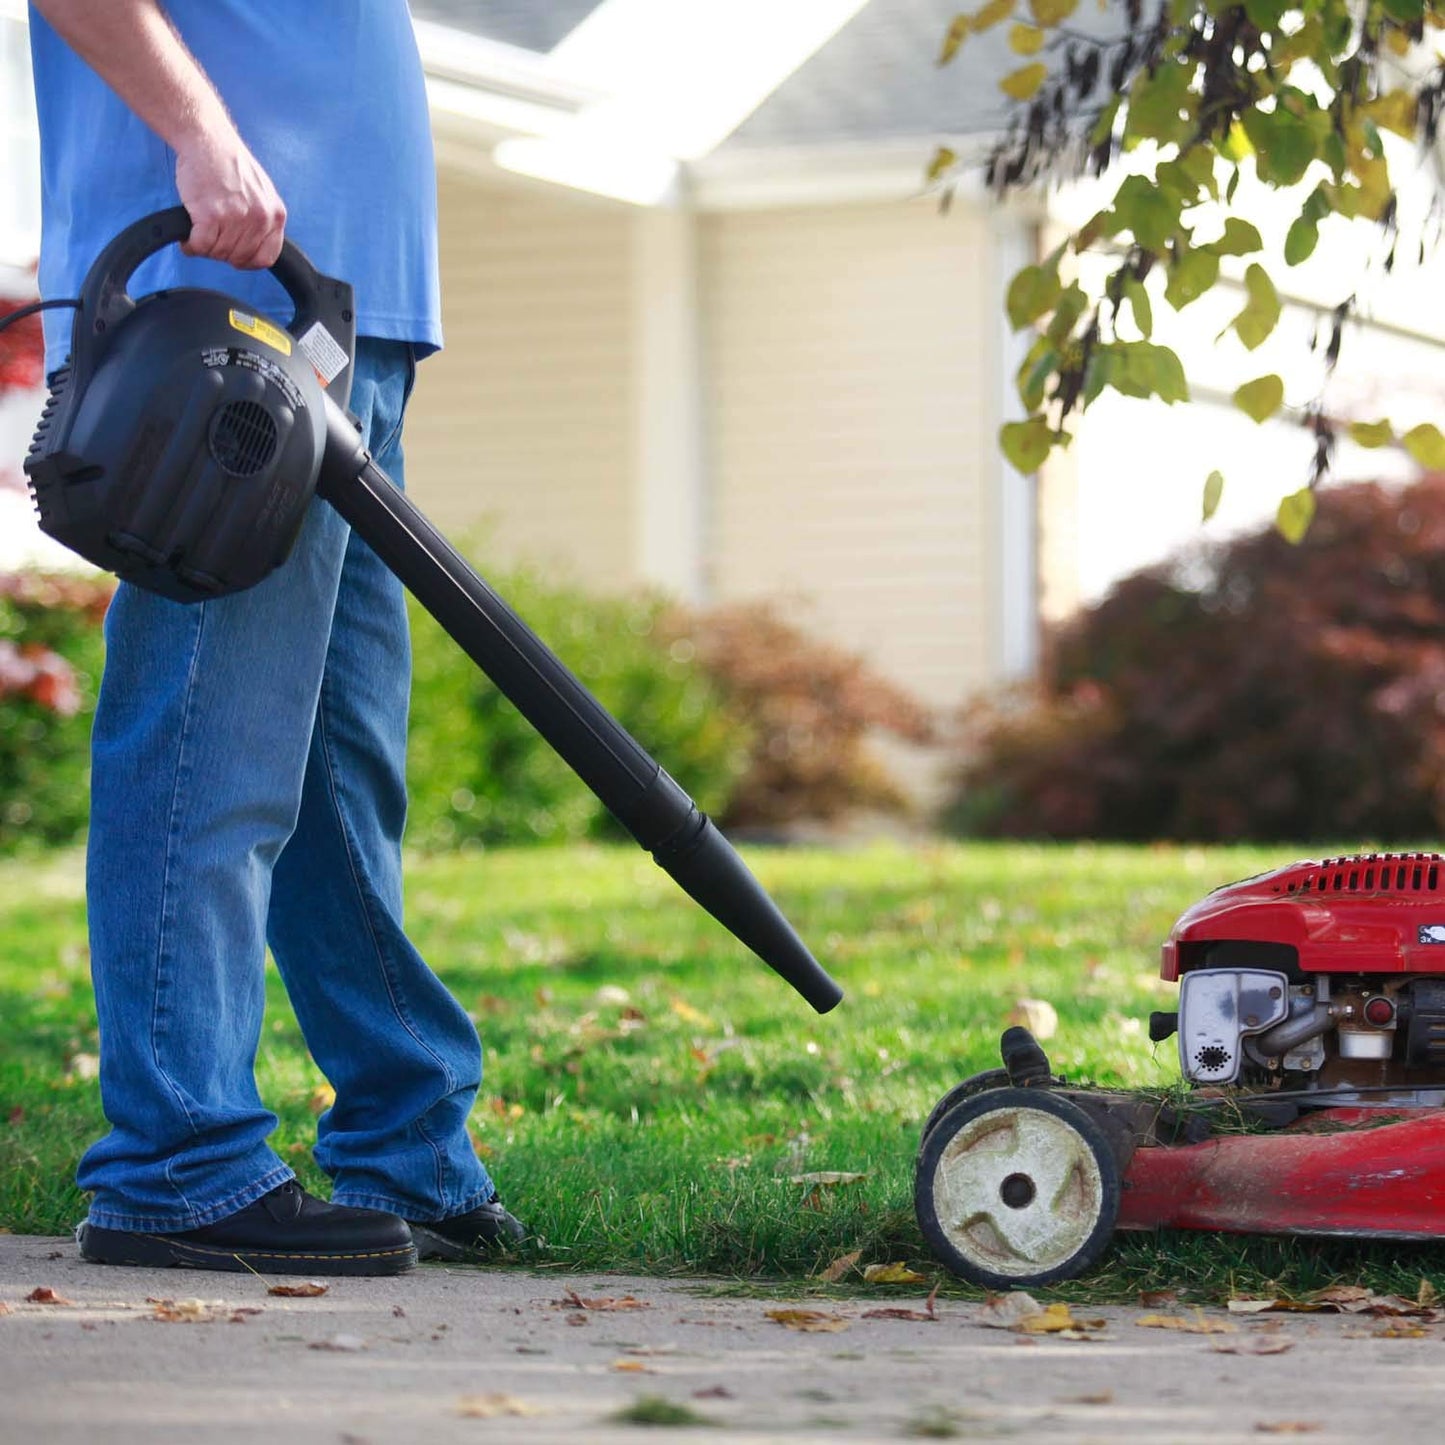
x=1249, y=690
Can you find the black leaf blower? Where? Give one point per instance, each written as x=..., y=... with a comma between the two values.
x=180, y=447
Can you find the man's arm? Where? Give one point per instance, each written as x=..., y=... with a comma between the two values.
x=236, y=215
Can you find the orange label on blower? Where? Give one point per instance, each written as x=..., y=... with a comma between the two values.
x=263, y=331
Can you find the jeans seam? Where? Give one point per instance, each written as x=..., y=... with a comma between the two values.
x=195, y=1218
x=334, y=789
x=160, y=1012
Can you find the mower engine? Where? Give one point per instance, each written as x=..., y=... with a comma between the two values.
x=1316, y=976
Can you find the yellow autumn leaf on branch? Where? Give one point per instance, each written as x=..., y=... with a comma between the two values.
x=1021, y=84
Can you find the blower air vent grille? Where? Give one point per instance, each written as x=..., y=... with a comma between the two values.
x=1371, y=873
x=243, y=438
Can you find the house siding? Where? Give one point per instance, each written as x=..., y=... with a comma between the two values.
x=850, y=358
x=522, y=428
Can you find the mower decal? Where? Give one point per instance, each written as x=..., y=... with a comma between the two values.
x=262, y=365
x=262, y=331
x=327, y=356
x=1432, y=933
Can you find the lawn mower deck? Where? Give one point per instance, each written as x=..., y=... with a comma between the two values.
x=1311, y=1028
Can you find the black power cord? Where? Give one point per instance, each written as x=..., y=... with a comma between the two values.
x=32, y=308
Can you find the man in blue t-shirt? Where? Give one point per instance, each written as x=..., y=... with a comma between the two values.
x=248, y=753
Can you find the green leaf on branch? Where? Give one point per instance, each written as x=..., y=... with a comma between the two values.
x=1295, y=514
x=1032, y=293
x=1404, y=12
x=1426, y=445
x=1071, y=305
x=1261, y=398
x=1191, y=274
x=1372, y=433
x=1261, y=311
x=1041, y=363
x=1266, y=14
x=1213, y=494
x=1026, y=443
x=1284, y=145
x=1238, y=239
x=1022, y=83
x=1300, y=240
x=1161, y=107
x=1150, y=213
x=1138, y=299
x=1142, y=369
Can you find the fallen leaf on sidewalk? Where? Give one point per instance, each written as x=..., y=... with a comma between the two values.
x=1346, y=1299
x=809, y=1321
x=840, y=1266
x=42, y=1294
x=345, y=1344
x=1401, y=1330
x=309, y=1290
x=713, y=1392
x=575, y=1301
x=632, y=1367
x=1056, y=1319
x=889, y=1312
x=489, y=1407
x=1288, y=1427
x=1255, y=1345
x=1093, y=1397
x=1156, y=1299
x=1004, y=1311
x=4, y=1308
x=186, y=1311
x=1197, y=1325
x=898, y=1273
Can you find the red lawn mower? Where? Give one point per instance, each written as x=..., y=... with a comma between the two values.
x=1311, y=1027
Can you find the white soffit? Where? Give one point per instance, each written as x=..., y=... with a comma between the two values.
x=678, y=77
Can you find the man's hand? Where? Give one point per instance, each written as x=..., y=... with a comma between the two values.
x=236, y=215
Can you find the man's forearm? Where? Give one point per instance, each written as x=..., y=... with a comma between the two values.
x=133, y=47
x=236, y=214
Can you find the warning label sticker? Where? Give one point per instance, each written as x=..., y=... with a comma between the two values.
x=262, y=331
x=324, y=352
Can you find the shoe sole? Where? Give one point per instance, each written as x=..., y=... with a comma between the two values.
x=436, y=1246
x=159, y=1251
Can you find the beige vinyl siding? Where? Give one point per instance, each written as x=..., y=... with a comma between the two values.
x=851, y=370
x=521, y=430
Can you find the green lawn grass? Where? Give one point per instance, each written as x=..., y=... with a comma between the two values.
x=650, y=1088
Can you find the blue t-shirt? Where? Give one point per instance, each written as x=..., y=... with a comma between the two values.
x=328, y=94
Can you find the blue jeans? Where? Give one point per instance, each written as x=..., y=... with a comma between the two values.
x=248, y=788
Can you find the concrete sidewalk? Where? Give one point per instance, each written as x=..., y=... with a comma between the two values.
x=450, y=1354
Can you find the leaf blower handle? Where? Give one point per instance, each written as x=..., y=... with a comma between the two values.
x=105, y=299
x=633, y=787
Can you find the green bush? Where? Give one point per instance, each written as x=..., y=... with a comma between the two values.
x=479, y=773
x=51, y=651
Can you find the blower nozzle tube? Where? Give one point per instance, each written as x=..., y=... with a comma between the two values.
x=629, y=783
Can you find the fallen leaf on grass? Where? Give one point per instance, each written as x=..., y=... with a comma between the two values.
x=15, y=1115
x=898, y=1273
x=490, y=1406
x=309, y=1290
x=840, y=1266
x=575, y=1301
x=1037, y=1015
x=344, y=1344
x=928, y=1312
x=1428, y=1296
x=42, y=1294
x=1198, y=1325
x=826, y=1177
x=809, y=1321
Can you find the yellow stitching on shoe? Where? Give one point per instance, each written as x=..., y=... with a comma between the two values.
x=277, y=1254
